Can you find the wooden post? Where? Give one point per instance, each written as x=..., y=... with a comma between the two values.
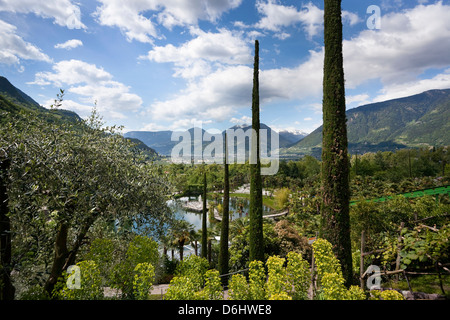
x=313, y=285
x=399, y=247
x=361, y=263
x=440, y=278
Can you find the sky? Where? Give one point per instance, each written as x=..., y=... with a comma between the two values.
x=171, y=64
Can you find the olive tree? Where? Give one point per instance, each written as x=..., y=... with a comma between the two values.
x=65, y=176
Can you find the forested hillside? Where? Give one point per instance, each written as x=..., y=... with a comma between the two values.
x=419, y=120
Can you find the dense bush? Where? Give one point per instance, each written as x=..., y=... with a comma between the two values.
x=89, y=285
x=193, y=281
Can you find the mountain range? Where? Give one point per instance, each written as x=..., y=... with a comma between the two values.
x=162, y=143
x=421, y=120
x=14, y=100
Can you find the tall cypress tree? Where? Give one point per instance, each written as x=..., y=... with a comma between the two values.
x=204, y=252
x=256, y=251
x=223, y=251
x=335, y=165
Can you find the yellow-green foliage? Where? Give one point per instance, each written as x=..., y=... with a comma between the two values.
x=298, y=276
x=282, y=197
x=144, y=275
x=238, y=288
x=282, y=283
x=90, y=284
x=213, y=287
x=276, y=280
x=280, y=296
x=181, y=288
x=257, y=280
x=330, y=276
x=332, y=285
x=356, y=293
x=386, y=295
x=195, y=282
x=325, y=260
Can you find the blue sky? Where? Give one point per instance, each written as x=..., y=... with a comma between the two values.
x=170, y=64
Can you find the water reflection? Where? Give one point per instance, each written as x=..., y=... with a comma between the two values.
x=239, y=207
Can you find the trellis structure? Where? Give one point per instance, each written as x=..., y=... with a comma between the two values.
x=413, y=194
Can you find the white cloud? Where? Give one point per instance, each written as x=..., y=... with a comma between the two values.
x=214, y=96
x=178, y=125
x=220, y=94
x=276, y=16
x=64, y=12
x=299, y=82
x=241, y=120
x=91, y=84
x=359, y=99
x=408, y=43
x=282, y=35
x=350, y=17
x=138, y=19
x=197, y=56
x=69, y=44
x=71, y=72
x=13, y=48
x=440, y=81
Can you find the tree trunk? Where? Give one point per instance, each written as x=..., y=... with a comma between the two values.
x=204, y=251
x=335, y=165
x=63, y=257
x=7, y=289
x=256, y=250
x=196, y=247
x=181, y=249
x=223, y=253
x=60, y=257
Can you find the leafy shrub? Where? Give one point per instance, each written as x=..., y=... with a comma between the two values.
x=140, y=250
x=386, y=295
x=325, y=260
x=330, y=276
x=195, y=268
x=191, y=276
x=298, y=276
x=213, y=286
x=238, y=288
x=90, y=284
x=282, y=197
x=181, y=288
x=280, y=296
x=282, y=283
x=144, y=275
x=277, y=277
x=257, y=278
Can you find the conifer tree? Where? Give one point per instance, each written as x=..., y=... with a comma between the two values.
x=335, y=165
x=223, y=251
x=256, y=250
x=204, y=251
